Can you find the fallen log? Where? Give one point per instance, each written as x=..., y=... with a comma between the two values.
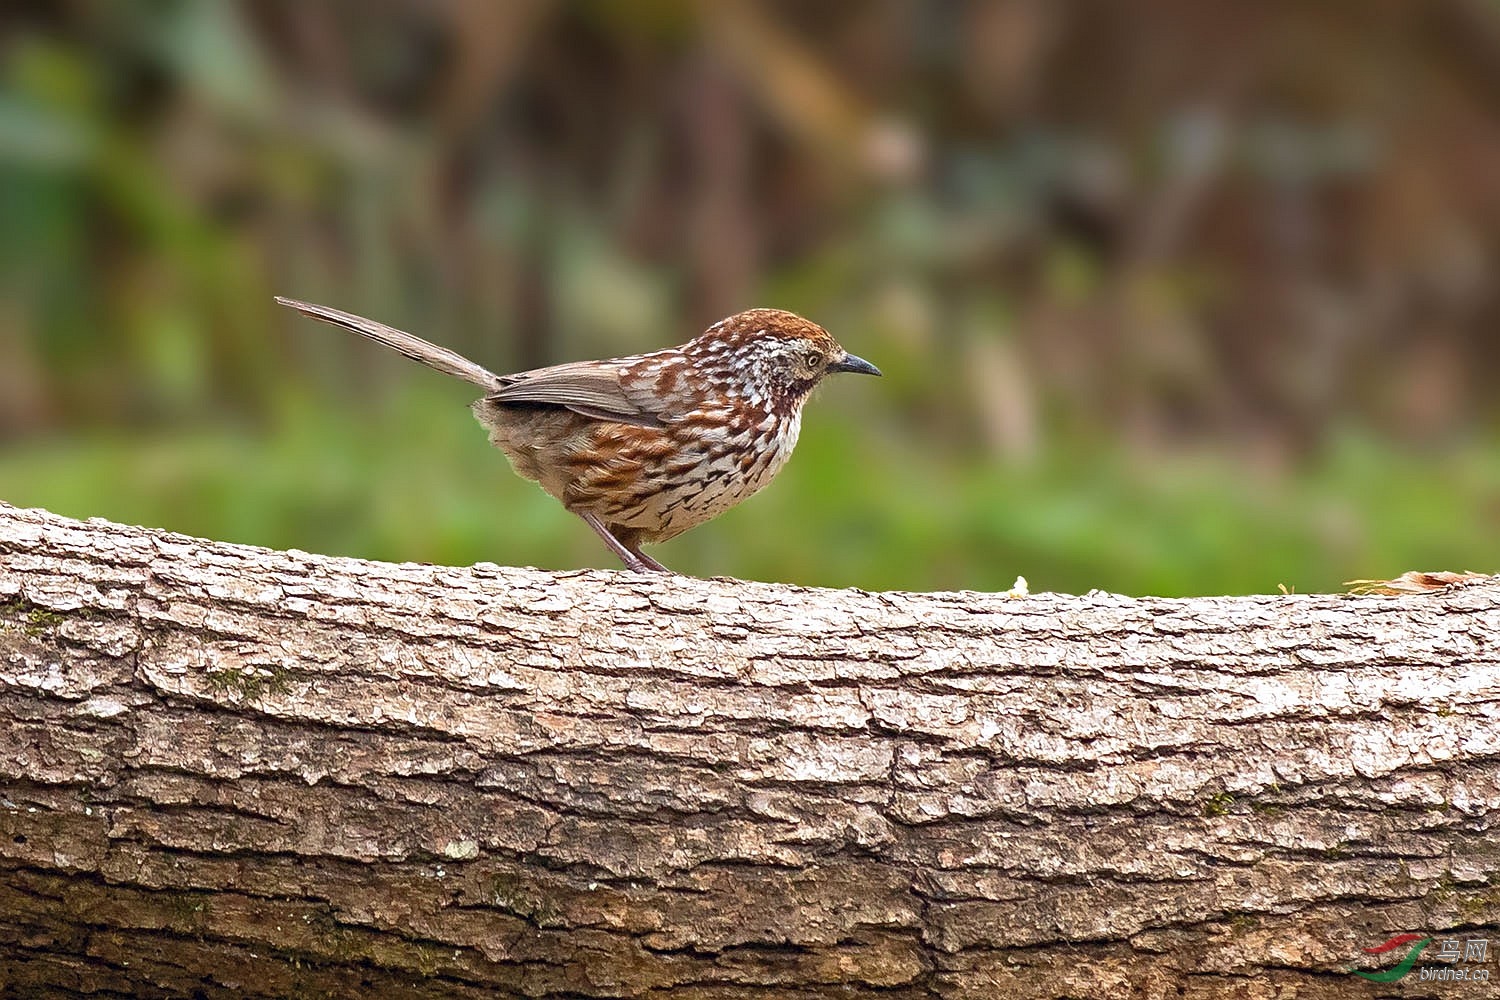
x=229, y=771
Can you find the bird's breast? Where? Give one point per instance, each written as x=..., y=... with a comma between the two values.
x=717, y=461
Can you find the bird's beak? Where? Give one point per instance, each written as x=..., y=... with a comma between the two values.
x=850, y=363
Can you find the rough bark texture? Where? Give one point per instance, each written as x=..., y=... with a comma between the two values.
x=229, y=771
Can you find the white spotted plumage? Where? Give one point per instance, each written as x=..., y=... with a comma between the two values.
x=717, y=480
x=645, y=447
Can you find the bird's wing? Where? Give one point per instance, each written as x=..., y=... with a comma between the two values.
x=597, y=389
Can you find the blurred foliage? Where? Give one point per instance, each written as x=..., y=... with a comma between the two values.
x=1172, y=296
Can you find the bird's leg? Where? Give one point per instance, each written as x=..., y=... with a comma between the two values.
x=631, y=539
x=651, y=564
x=633, y=558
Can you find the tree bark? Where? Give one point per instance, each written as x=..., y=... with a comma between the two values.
x=229, y=771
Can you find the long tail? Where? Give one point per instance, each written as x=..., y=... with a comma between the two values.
x=431, y=355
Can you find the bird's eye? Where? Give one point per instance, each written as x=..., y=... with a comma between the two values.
x=813, y=358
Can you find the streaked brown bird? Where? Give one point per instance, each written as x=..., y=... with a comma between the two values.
x=647, y=446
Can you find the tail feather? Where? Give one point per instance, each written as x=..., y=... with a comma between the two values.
x=446, y=361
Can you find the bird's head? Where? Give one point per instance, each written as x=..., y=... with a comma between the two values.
x=771, y=357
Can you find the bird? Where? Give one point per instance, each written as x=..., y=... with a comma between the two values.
x=647, y=446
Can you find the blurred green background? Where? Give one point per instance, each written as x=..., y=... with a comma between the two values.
x=1172, y=297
